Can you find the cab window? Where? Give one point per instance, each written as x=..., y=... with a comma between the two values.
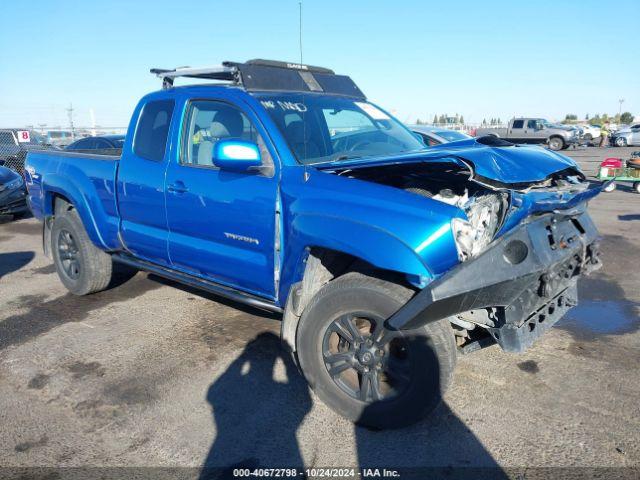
x=208, y=122
x=150, y=140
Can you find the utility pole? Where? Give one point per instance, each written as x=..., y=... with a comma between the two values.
x=621, y=101
x=42, y=125
x=70, y=115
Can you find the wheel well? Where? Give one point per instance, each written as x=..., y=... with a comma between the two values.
x=322, y=266
x=60, y=204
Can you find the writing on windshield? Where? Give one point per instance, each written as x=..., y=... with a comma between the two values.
x=321, y=128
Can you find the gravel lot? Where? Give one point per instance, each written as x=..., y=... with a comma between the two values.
x=146, y=374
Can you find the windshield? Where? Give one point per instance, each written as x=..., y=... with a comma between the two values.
x=547, y=123
x=321, y=128
x=452, y=135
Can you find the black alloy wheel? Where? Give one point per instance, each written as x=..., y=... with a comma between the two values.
x=69, y=255
x=365, y=360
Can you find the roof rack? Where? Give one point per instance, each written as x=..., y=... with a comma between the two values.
x=211, y=73
x=259, y=74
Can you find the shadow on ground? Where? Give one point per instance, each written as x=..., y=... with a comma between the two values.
x=11, y=262
x=39, y=314
x=257, y=413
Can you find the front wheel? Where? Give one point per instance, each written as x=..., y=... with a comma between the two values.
x=636, y=187
x=609, y=188
x=620, y=142
x=556, y=143
x=371, y=375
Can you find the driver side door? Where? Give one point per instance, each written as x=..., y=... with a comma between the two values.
x=222, y=224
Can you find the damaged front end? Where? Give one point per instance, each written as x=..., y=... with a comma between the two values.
x=521, y=249
x=518, y=288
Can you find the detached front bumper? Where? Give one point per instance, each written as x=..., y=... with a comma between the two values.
x=518, y=288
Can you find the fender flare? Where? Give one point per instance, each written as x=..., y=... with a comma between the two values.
x=55, y=184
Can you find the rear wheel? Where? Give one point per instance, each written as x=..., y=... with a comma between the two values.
x=609, y=188
x=365, y=372
x=636, y=187
x=556, y=143
x=82, y=267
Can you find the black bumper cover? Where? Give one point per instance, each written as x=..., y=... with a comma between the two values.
x=524, y=283
x=13, y=201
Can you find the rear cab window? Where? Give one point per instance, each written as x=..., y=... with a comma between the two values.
x=150, y=140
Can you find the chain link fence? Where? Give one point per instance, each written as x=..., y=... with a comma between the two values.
x=15, y=143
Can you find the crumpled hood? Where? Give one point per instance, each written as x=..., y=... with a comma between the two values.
x=514, y=164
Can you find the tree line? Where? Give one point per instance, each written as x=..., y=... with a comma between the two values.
x=443, y=120
x=597, y=119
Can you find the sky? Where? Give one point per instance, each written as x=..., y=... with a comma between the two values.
x=480, y=59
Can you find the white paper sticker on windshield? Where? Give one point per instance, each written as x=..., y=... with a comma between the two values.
x=24, y=136
x=372, y=111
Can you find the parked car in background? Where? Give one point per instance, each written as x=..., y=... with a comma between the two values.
x=534, y=130
x=432, y=136
x=626, y=138
x=13, y=193
x=626, y=128
x=59, y=138
x=590, y=132
x=14, y=145
x=105, y=144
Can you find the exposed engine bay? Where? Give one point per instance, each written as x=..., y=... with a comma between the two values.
x=447, y=183
x=484, y=201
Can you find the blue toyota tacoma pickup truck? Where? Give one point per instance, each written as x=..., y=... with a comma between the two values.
x=280, y=186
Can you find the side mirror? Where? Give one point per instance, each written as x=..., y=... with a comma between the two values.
x=236, y=155
x=539, y=126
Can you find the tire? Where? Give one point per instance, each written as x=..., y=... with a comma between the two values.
x=620, y=142
x=82, y=267
x=556, y=143
x=411, y=370
x=636, y=187
x=610, y=188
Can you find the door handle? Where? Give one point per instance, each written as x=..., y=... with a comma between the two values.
x=177, y=187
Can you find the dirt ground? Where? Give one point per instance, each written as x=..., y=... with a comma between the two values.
x=147, y=374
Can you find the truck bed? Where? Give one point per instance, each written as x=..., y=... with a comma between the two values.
x=89, y=179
